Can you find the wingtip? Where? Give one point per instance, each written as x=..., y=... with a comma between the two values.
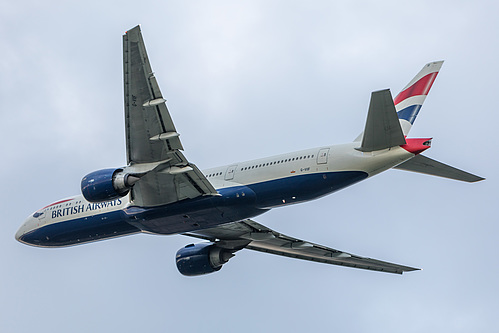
x=410, y=269
x=134, y=28
x=478, y=179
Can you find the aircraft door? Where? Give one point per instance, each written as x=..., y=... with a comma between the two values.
x=322, y=156
x=231, y=170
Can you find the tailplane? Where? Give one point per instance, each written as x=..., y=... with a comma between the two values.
x=389, y=120
x=426, y=165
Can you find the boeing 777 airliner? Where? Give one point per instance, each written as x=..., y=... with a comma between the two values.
x=159, y=191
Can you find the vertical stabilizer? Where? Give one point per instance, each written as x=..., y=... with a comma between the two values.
x=410, y=100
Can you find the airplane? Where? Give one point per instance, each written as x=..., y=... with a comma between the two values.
x=159, y=191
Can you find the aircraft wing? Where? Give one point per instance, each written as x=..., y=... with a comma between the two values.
x=254, y=236
x=152, y=142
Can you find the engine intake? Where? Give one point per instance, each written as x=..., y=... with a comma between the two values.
x=202, y=258
x=106, y=184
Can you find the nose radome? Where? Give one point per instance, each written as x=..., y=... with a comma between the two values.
x=27, y=226
x=22, y=230
x=19, y=233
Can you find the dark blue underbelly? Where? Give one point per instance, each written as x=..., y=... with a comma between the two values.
x=81, y=230
x=233, y=204
x=301, y=188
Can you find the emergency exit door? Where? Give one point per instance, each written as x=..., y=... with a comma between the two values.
x=231, y=170
x=322, y=156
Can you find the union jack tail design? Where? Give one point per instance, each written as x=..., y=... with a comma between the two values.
x=410, y=100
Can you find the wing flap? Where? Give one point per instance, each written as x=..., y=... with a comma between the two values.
x=254, y=236
x=173, y=180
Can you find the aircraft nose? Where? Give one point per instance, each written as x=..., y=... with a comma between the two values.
x=27, y=226
x=19, y=234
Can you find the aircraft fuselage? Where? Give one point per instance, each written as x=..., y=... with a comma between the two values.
x=245, y=190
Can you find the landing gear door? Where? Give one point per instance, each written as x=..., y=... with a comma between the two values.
x=231, y=170
x=322, y=156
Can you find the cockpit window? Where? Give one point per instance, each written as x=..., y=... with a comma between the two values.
x=38, y=214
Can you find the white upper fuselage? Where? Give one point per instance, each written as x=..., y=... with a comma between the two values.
x=323, y=160
x=343, y=157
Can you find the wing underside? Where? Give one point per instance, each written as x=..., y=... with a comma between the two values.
x=152, y=142
x=254, y=236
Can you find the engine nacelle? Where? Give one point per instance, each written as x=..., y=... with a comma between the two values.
x=199, y=259
x=107, y=184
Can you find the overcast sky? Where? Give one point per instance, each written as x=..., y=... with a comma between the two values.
x=244, y=80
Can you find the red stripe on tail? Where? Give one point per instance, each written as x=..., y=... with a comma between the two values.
x=421, y=87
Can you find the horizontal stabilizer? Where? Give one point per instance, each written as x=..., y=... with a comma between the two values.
x=382, y=129
x=426, y=165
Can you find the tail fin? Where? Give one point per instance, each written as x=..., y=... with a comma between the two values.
x=410, y=100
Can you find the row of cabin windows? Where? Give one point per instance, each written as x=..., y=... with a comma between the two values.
x=213, y=175
x=277, y=162
x=63, y=205
x=264, y=165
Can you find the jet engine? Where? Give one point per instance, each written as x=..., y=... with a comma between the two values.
x=202, y=258
x=107, y=184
